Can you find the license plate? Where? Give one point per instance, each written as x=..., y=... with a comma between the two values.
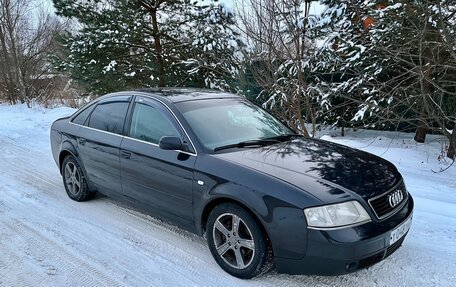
x=400, y=231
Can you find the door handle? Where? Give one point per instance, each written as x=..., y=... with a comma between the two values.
x=81, y=141
x=125, y=154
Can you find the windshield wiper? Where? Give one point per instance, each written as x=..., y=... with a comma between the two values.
x=283, y=138
x=259, y=142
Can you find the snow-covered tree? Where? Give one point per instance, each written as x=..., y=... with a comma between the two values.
x=395, y=63
x=340, y=62
x=280, y=36
x=119, y=44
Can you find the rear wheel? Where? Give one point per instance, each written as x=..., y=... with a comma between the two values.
x=74, y=180
x=237, y=243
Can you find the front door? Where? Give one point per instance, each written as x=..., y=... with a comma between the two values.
x=156, y=178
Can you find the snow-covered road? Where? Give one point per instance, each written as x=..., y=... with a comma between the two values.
x=46, y=239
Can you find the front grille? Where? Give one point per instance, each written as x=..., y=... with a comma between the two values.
x=382, y=204
x=395, y=246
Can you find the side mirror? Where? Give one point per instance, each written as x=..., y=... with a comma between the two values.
x=170, y=143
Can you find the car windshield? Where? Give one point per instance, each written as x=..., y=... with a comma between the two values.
x=223, y=122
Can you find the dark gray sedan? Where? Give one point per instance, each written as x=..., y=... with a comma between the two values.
x=217, y=165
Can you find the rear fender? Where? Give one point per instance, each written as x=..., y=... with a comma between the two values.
x=67, y=148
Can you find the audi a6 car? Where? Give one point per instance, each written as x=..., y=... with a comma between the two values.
x=219, y=166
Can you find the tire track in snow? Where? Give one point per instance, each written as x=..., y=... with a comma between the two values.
x=175, y=237
x=55, y=259
x=43, y=184
x=27, y=163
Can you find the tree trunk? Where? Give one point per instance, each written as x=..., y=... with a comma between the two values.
x=158, y=48
x=301, y=122
x=420, y=134
x=452, y=148
x=426, y=91
x=11, y=22
x=7, y=77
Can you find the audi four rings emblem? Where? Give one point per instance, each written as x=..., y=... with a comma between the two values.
x=395, y=198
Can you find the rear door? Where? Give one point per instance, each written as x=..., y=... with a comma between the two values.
x=156, y=178
x=99, y=143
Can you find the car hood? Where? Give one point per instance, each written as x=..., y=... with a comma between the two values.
x=327, y=170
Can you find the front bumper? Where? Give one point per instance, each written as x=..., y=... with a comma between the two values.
x=342, y=251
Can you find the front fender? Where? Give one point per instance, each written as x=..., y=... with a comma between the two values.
x=277, y=217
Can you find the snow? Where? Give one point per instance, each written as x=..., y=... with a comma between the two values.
x=232, y=43
x=111, y=66
x=46, y=239
x=360, y=114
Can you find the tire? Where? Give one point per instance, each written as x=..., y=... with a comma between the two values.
x=74, y=180
x=243, y=252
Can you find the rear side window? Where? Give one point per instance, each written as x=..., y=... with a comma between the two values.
x=81, y=118
x=109, y=116
x=150, y=124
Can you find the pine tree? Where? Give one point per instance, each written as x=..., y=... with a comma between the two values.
x=343, y=83
x=120, y=44
x=395, y=63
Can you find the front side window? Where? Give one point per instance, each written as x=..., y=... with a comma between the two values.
x=150, y=124
x=109, y=116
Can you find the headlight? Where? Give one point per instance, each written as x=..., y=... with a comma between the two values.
x=336, y=215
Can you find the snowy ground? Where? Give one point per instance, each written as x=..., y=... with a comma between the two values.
x=48, y=240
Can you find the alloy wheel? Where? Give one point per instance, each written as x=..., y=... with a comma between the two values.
x=72, y=178
x=233, y=241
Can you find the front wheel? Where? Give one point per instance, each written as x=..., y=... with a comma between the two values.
x=74, y=180
x=237, y=243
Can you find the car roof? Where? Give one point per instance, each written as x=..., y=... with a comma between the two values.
x=176, y=95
